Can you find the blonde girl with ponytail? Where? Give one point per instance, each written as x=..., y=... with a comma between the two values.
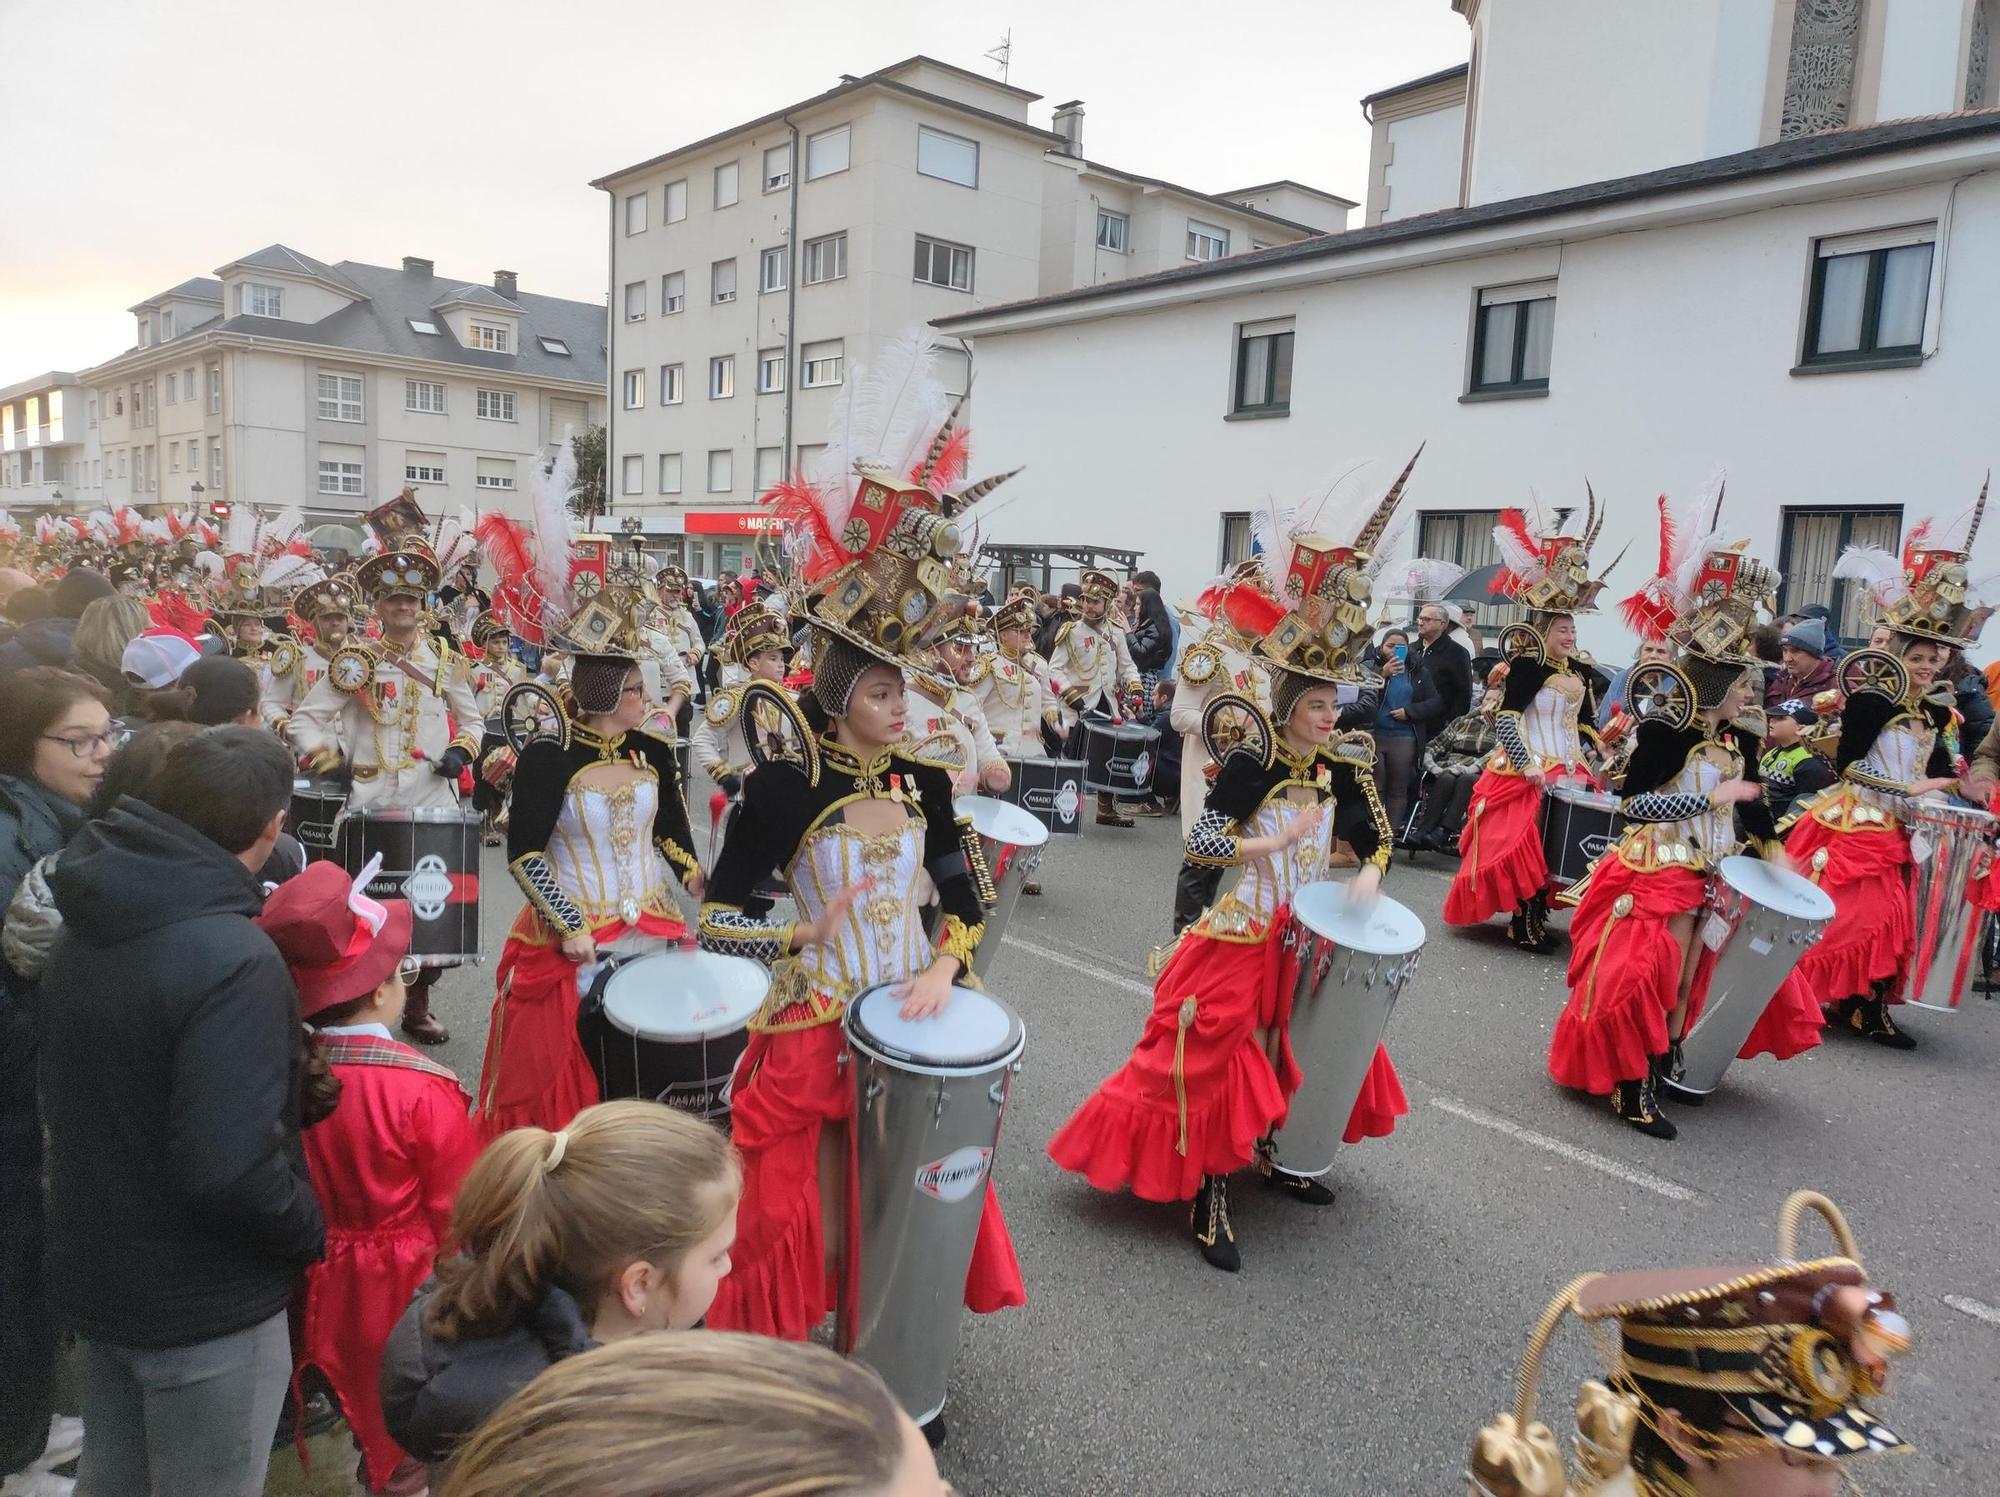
x=620, y=1223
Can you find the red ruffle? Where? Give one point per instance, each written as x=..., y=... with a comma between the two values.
x=1379, y=1103
x=1790, y=1024
x=1624, y=976
x=1874, y=923
x=1501, y=847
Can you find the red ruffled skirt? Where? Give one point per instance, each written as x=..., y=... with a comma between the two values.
x=1196, y=1097
x=1501, y=847
x=788, y=1086
x=1874, y=925
x=353, y=1298
x=535, y=1073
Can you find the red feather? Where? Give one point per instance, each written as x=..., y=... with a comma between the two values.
x=950, y=468
x=1669, y=537
x=798, y=507
x=1915, y=541
x=505, y=541
x=171, y=610
x=1645, y=615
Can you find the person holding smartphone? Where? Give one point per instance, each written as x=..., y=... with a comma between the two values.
x=1406, y=698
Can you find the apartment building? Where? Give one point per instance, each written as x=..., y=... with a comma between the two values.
x=751, y=268
x=286, y=381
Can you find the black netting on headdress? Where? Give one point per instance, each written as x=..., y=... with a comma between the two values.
x=1711, y=678
x=1286, y=689
x=597, y=681
x=836, y=666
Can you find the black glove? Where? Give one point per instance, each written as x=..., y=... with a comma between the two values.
x=731, y=785
x=455, y=759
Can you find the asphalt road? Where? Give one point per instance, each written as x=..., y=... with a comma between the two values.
x=1362, y=1346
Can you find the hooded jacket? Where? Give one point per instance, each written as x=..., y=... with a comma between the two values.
x=33, y=824
x=39, y=642
x=180, y=1209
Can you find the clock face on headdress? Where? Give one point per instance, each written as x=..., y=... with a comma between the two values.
x=351, y=669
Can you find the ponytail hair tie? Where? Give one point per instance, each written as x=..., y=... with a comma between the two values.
x=558, y=1146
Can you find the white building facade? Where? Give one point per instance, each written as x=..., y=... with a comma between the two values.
x=749, y=268
x=1812, y=314
x=46, y=446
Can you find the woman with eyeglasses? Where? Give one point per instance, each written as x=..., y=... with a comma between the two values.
x=55, y=738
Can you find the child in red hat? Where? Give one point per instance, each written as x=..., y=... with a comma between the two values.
x=388, y=1159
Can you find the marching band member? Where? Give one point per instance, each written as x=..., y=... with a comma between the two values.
x=1012, y=689
x=946, y=704
x=328, y=608
x=495, y=672
x=1088, y=655
x=1213, y=1073
x=673, y=634
x=1721, y=1382
x=1638, y=974
x=754, y=648
x=1548, y=708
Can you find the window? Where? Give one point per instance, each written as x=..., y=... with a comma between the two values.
x=819, y=364
x=172, y=385
x=428, y=329
x=770, y=467
x=726, y=176
x=215, y=464
x=635, y=389
x=635, y=301
x=567, y=418
x=173, y=457
x=215, y=389
x=187, y=383
x=339, y=478
x=90, y=411
x=770, y=370
x=954, y=370
x=676, y=202
x=494, y=337
x=423, y=467
x=673, y=384
x=1869, y=297
x=1235, y=538
x=423, y=395
x=722, y=281
x=1819, y=75
x=263, y=301
x=670, y=473
x=673, y=292
x=722, y=376
x=166, y=325
x=1114, y=232
x=555, y=346
x=826, y=258
x=152, y=409
x=493, y=473
x=632, y=471
x=721, y=470
x=1512, y=338
x=145, y=332
x=1810, y=542
x=340, y=397
x=778, y=167
x=1466, y=537
x=943, y=264
x=947, y=157
x=1206, y=241
x=635, y=213
x=771, y=269
x=826, y=153
x=118, y=403
x=494, y=405
x=1263, y=369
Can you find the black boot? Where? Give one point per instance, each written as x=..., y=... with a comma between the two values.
x=933, y=1430
x=1635, y=1102
x=419, y=1023
x=1542, y=938
x=1210, y=1221
x=1517, y=928
x=1870, y=1019
x=1667, y=1078
x=1301, y=1188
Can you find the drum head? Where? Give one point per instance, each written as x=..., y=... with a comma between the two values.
x=1000, y=821
x=1775, y=889
x=677, y=996
x=1383, y=928
x=975, y=1032
x=1583, y=795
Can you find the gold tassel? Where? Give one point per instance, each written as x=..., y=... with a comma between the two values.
x=1620, y=907
x=1185, y=1022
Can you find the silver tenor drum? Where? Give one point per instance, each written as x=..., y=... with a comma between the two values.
x=1013, y=841
x=1759, y=921
x=929, y=1096
x=1947, y=944
x=1353, y=965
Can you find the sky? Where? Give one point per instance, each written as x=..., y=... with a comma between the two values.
x=151, y=143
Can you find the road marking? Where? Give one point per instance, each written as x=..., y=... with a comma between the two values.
x=1098, y=974
x=1973, y=1308
x=1599, y=1162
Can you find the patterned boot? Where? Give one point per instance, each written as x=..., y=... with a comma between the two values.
x=1210, y=1221
x=1870, y=1019
x=1634, y=1101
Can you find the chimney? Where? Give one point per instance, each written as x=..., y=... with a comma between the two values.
x=1069, y=125
x=506, y=283
x=417, y=265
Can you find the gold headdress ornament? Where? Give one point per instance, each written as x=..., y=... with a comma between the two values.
x=1928, y=594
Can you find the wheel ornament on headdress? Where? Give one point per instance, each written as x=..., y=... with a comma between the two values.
x=1546, y=572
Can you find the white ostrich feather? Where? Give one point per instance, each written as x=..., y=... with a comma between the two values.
x=1271, y=542
x=286, y=572
x=1876, y=569
x=888, y=413
x=1424, y=579
x=210, y=563
x=1522, y=561
x=290, y=523
x=239, y=537
x=454, y=542
x=548, y=496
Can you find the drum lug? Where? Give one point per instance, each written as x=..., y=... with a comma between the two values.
x=937, y=1109
x=997, y=1092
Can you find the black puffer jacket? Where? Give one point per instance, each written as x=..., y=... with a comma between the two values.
x=179, y=1205
x=33, y=824
x=436, y=1393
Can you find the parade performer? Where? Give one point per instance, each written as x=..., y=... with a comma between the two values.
x=386, y=1162
x=1546, y=713
x=1213, y=1073
x=327, y=607
x=1720, y=1381
x=946, y=724
x=754, y=648
x=858, y=829
x=673, y=635
x=1638, y=974
x=495, y=672
x=1011, y=685
x=1893, y=725
x=1089, y=658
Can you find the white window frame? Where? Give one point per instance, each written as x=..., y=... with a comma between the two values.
x=673, y=485
x=818, y=251
x=173, y=457
x=717, y=297
x=777, y=258
x=728, y=184
x=173, y=384
x=778, y=167
x=215, y=464
x=425, y=396
x=770, y=371
x=638, y=287
x=635, y=212
x=1200, y=235
x=424, y=329
x=673, y=292
x=416, y=472
x=728, y=456
x=632, y=473
x=722, y=377
x=947, y=141
x=494, y=405
x=772, y=458
x=954, y=256
x=554, y=346
x=818, y=162
x=673, y=384
x=635, y=389
x=340, y=405
x=260, y=300
x=667, y=204
x=500, y=482
x=215, y=389
x=822, y=364
x=339, y=479
x=1120, y=227
x=493, y=337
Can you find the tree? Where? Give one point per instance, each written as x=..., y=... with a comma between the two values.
x=588, y=500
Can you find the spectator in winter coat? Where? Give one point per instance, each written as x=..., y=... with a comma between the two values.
x=1808, y=665
x=50, y=640
x=1439, y=660
x=1151, y=639
x=1975, y=708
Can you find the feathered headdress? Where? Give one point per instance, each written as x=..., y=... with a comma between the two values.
x=1930, y=593
x=1543, y=569
x=532, y=565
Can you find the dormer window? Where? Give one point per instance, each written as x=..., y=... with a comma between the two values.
x=555, y=346
x=262, y=301
x=145, y=332
x=166, y=325
x=494, y=337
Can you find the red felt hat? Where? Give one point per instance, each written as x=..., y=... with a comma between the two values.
x=339, y=943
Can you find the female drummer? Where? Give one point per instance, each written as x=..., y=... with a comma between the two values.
x=1548, y=709
x=1213, y=1073
x=596, y=832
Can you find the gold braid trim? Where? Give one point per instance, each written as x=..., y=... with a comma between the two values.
x=1620, y=908
x=976, y=864
x=1183, y=1022
x=958, y=940
x=530, y=870
x=1385, y=836
x=467, y=741
x=683, y=860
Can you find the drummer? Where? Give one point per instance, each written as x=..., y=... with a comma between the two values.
x=1638, y=974
x=327, y=608
x=1547, y=710
x=951, y=692
x=495, y=672
x=755, y=647
x=1090, y=660
x=1013, y=691
x=1213, y=1071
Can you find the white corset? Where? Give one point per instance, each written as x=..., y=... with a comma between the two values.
x=1272, y=880
x=602, y=850
x=1548, y=723
x=1713, y=831
x=882, y=938
x=1900, y=752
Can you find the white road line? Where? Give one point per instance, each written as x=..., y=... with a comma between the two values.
x=1096, y=974
x=1973, y=1308
x=1599, y=1162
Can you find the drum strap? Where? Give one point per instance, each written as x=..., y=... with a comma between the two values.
x=1184, y=1022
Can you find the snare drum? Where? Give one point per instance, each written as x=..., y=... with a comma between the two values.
x=674, y=1025
x=1117, y=757
x=430, y=856
x=316, y=816
x=1050, y=790
x=1955, y=838
x=929, y=1096
x=1012, y=841
x=1578, y=824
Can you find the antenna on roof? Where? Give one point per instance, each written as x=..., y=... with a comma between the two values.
x=1002, y=53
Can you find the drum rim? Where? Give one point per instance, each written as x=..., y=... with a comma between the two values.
x=1423, y=934
x=1576, y=795
x=1008, y=810
x=442, y=814
x=1736, y=862
x=877, y=1049
x=681, y=1037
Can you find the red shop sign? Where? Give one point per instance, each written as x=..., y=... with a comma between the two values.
x=731, y=522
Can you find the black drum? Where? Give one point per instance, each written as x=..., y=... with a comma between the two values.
x=672, y=1026
x=315, y=817
x=1578, y=824
x=1117, y=757
x=1051, y=791
x=430, y=856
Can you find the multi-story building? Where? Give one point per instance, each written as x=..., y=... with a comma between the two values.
x=1626, y=243
x=284, y=381
x=47, y=451
x=750, y=269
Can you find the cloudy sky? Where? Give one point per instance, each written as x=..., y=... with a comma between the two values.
x=149, y=143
